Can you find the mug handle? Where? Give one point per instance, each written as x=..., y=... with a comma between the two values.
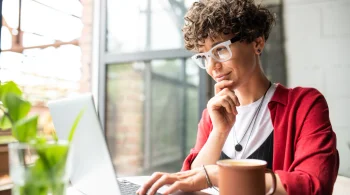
x=273, y=187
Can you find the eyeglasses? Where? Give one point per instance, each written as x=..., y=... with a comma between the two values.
x=220, y=53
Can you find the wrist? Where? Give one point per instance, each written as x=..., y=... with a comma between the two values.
x=279, y=188
x=211, y=172
x=221, y=135
x=214, y=176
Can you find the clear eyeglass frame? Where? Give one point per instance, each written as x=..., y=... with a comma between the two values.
x=203, y=63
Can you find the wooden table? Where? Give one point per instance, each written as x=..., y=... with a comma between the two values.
x=5, y=185
x=142, y=179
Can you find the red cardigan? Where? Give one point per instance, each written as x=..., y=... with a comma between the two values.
x=304, y=147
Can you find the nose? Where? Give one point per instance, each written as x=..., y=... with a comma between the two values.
x=213, y=64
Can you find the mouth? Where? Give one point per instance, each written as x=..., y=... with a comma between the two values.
x=222, y=77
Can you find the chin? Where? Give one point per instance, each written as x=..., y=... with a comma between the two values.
x=236, y=84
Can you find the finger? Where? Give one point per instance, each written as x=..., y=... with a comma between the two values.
x=236, y=100
x=232, y=104
x=232, y=94
x=228, y=104
x=165, y=179
x=146, y=186
x=222, y=85
x=221, y=106
x=225, y=103
x=185, y=174
x=218, y=103
x=231, y=98
x=179, y=185
x=234, y=110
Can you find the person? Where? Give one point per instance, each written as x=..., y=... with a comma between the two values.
x=250, y=117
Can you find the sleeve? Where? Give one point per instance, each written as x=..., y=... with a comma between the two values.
x=204, y=129
x=316, y=160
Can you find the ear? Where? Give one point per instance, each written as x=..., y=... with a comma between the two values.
x=259, y=44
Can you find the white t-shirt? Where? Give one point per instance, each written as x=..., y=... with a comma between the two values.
x=256, y=134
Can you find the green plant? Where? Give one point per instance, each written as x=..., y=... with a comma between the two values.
x=45, y=176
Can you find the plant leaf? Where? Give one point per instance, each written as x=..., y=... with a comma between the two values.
x=25, y=129
x=75, y=124
x=54, y=135
x=17, y=107
x=9, y=87
x=40, y=139
x=50, y=168
x=5, y=123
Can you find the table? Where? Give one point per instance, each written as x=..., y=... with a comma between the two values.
x=142, y=179
x=5, y=185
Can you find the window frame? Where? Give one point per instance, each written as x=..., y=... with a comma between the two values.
x=17, y=40
x=105, y=58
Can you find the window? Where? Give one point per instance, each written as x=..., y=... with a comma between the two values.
x=145, y=25
x=152, y=87
x=41, y=51
x=151, y=115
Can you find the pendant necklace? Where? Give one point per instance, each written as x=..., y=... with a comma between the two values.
x=238, y=146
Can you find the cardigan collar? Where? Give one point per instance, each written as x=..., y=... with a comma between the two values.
x=281, y=94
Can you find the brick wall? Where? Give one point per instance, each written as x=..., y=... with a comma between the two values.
x=317, y=50
x=124, y=113
x=85, y=43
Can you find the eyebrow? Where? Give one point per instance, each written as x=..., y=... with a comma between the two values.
x=217, y=43
x=213, y=45
x=234, y=39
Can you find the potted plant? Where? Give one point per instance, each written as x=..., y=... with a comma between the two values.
x=39, y=165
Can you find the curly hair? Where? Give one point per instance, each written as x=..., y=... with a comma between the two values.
x=214, y=18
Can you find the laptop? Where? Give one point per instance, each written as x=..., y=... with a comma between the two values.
x=92, y=169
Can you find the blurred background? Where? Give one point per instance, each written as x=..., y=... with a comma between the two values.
x=149, y=94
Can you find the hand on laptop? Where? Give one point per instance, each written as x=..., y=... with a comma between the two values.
x=187, y=181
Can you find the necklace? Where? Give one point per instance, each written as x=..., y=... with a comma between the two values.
x=238, y=146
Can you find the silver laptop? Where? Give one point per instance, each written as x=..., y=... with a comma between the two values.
x=92, y=170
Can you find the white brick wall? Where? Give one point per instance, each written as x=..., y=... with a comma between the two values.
x=317, y=35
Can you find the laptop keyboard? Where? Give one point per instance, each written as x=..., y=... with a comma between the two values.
x=128, y=188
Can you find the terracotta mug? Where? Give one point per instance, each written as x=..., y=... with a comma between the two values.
x=244, y=177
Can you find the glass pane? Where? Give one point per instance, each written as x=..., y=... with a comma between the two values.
x=166, y=24
x=6, y=38
x=192, y=110
x=168, y=68
x=192, y=113
x=192, y=72
x=122, y=36
x=30, y=39
x=143, y=25
x=188, y=3
x=135, y=95
x=166, y=124
x=44, y=74
x=125, y=117
x=68, y=6
x=10, y=63
x=10, y=12
x=42, y=20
